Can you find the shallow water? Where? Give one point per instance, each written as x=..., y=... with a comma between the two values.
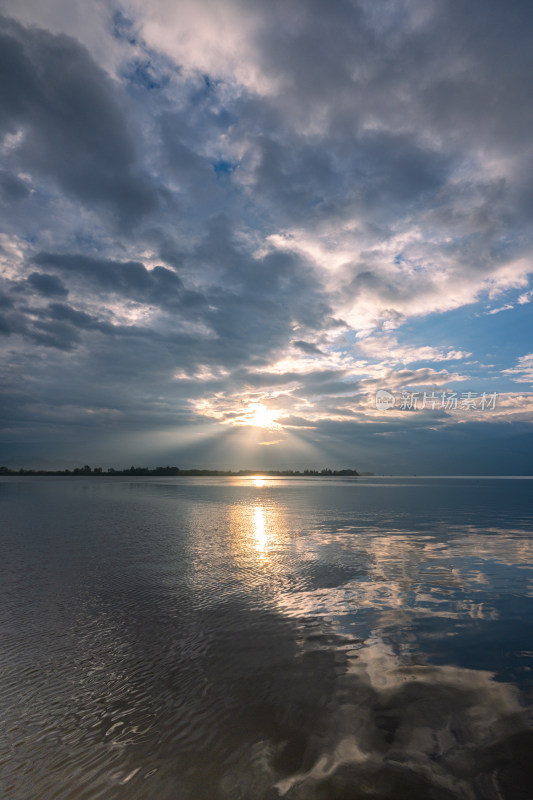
x=189, y=639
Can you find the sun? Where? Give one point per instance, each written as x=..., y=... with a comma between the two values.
x=262, y=417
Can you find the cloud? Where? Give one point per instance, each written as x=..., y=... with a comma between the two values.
x=47, y=285
x=506, y=307
x=207, y=203
x=363, y=747
x=526, y=297
x=72, y=123
x=523, y=369
x=388, y=350
x=12, y=188
x=307, y=347
x=158, y=286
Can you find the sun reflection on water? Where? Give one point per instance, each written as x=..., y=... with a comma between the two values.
x=261, y=538
x=259, y=530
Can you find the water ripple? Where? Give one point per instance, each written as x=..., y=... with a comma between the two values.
x=182, y=640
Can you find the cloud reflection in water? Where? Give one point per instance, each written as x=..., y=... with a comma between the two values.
x=400, y=725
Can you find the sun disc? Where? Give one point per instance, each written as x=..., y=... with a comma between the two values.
x=263, y=417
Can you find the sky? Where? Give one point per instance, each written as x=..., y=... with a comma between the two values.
x=226, y=225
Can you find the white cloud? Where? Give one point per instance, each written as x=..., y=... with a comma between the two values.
x=523, y=371
x=206, y=36
x=390, y=351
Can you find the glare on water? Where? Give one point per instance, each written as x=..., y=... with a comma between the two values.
x=263, y=638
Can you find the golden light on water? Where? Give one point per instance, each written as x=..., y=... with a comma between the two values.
x=260, y=535
x=258, y=528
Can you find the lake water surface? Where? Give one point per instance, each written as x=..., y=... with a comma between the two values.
x=250, y=639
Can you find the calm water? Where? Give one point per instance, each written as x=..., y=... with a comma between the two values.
x=183, y=639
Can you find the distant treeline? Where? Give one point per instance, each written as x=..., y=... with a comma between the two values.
x=158, y=471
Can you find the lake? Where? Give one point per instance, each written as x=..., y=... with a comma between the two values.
x=228, y=639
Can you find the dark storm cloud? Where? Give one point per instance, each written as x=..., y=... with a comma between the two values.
x=276, y=287
x=160, y=286
x=38, y=329
x=56, y=333
x=244, y=323
x=65, y=313
x=448, y=64
x=281, y=278
x=194, y=172
x=47, y=285
x=5, y=301
x=73, y=122
x=56, y=325
x=307, y=347
x=5, y=328
x=386, y=174
x=12, y=188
